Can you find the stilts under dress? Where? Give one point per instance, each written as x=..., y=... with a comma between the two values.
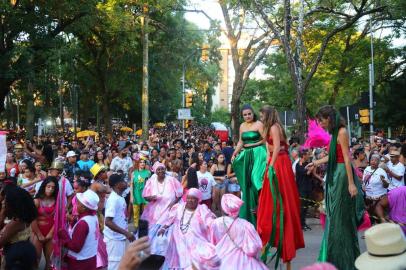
x=279, y=209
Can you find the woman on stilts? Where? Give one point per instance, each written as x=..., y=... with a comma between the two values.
x=279, y=206
x=344, y=201
x=248, y=162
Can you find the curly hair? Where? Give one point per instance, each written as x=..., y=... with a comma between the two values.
x=19, y=204
x=41, y=191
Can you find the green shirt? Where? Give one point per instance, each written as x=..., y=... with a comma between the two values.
x=139, y=178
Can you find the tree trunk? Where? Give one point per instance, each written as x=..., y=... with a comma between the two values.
x=29, y=119
x=235, y=110
x=301, y=112
x=106, y=117
x=145, y=75
x=4, y=90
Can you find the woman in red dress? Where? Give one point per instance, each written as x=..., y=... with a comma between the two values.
x=279, y=207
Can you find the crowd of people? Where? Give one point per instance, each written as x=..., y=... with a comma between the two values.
x=198, y=202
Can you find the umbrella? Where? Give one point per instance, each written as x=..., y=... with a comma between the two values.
x=126, y=129
x=138, y=132
x=159, y=125
x=87, y=133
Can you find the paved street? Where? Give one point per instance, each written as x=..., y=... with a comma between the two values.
x=313, y=238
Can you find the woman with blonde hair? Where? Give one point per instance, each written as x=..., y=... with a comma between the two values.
x=279, y=206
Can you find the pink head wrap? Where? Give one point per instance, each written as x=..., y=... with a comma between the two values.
x=194, y=192
x=231, y=205
x=320, y=266
x=157, y=165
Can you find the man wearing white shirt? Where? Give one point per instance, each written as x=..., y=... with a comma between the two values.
x=395, y=170
x=115, y=230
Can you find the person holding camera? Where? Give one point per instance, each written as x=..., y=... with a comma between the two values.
x=375, y=183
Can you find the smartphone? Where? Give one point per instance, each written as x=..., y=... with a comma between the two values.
x=143, y=228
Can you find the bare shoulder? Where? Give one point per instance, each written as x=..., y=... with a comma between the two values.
x=259, y=124
x=342, y=132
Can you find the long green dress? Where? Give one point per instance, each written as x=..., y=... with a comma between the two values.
x=343, y=214
x=249, y=167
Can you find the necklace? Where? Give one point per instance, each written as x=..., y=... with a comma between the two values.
x=163, y=189
x=185, y=227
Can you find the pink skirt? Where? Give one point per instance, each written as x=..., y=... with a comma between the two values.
x=101, y=258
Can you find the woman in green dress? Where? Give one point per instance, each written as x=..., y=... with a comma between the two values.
x=139, y=176
x=344, y=200
x=249, y=162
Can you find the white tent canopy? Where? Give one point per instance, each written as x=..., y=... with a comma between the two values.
x=219, y=126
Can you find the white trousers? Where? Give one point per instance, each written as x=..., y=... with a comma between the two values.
x=115, y=251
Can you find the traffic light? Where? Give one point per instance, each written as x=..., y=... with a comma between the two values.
x=189, y=100
x=205, y=53
x=364, y=116
x=187, y=123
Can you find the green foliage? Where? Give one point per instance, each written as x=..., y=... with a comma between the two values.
x=221, y=115
x=95, y=47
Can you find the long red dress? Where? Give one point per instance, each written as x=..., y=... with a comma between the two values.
x=283, y=191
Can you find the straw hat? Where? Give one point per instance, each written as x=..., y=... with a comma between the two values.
x=18, y=146
x=96, y=169
x=56, y=165
x=386, y=247
x=89, y=199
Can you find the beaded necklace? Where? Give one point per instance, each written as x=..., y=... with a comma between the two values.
x=185, y=227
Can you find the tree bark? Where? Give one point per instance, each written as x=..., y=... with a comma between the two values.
x=29, y=119
x=106, y=117
x=145, y=75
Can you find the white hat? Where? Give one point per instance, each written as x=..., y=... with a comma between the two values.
x=89, y=199
x=70, y=154
x=386, y=247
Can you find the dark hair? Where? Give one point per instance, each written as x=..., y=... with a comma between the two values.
x=96, y=159
x=30, y=167
x=191, y=178
x=357, y=152
x=249, y=107
x=194, y=158
x=41, y=191
x=84, y=178
x=330, y=113
x=271, y=117
x=21, y=256
x=28, y=163
x=19, y=204
x=225, y=161
x=303, y=152
x=230, y=143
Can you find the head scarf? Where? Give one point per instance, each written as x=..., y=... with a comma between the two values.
x=231, y=205
x=194, y=192
x=157, y=165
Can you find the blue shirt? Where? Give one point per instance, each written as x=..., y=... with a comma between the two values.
x=207, y=155
x=85, y=165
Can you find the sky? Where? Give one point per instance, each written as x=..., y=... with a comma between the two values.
x=212, y=9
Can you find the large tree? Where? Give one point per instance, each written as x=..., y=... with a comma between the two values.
x=288, y=22
x=249, y=43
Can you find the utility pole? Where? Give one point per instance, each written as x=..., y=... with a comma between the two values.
x=145, y=75
x=61, y=116
x=371, y=84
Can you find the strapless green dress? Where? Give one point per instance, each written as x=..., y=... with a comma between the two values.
x=249, y=167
